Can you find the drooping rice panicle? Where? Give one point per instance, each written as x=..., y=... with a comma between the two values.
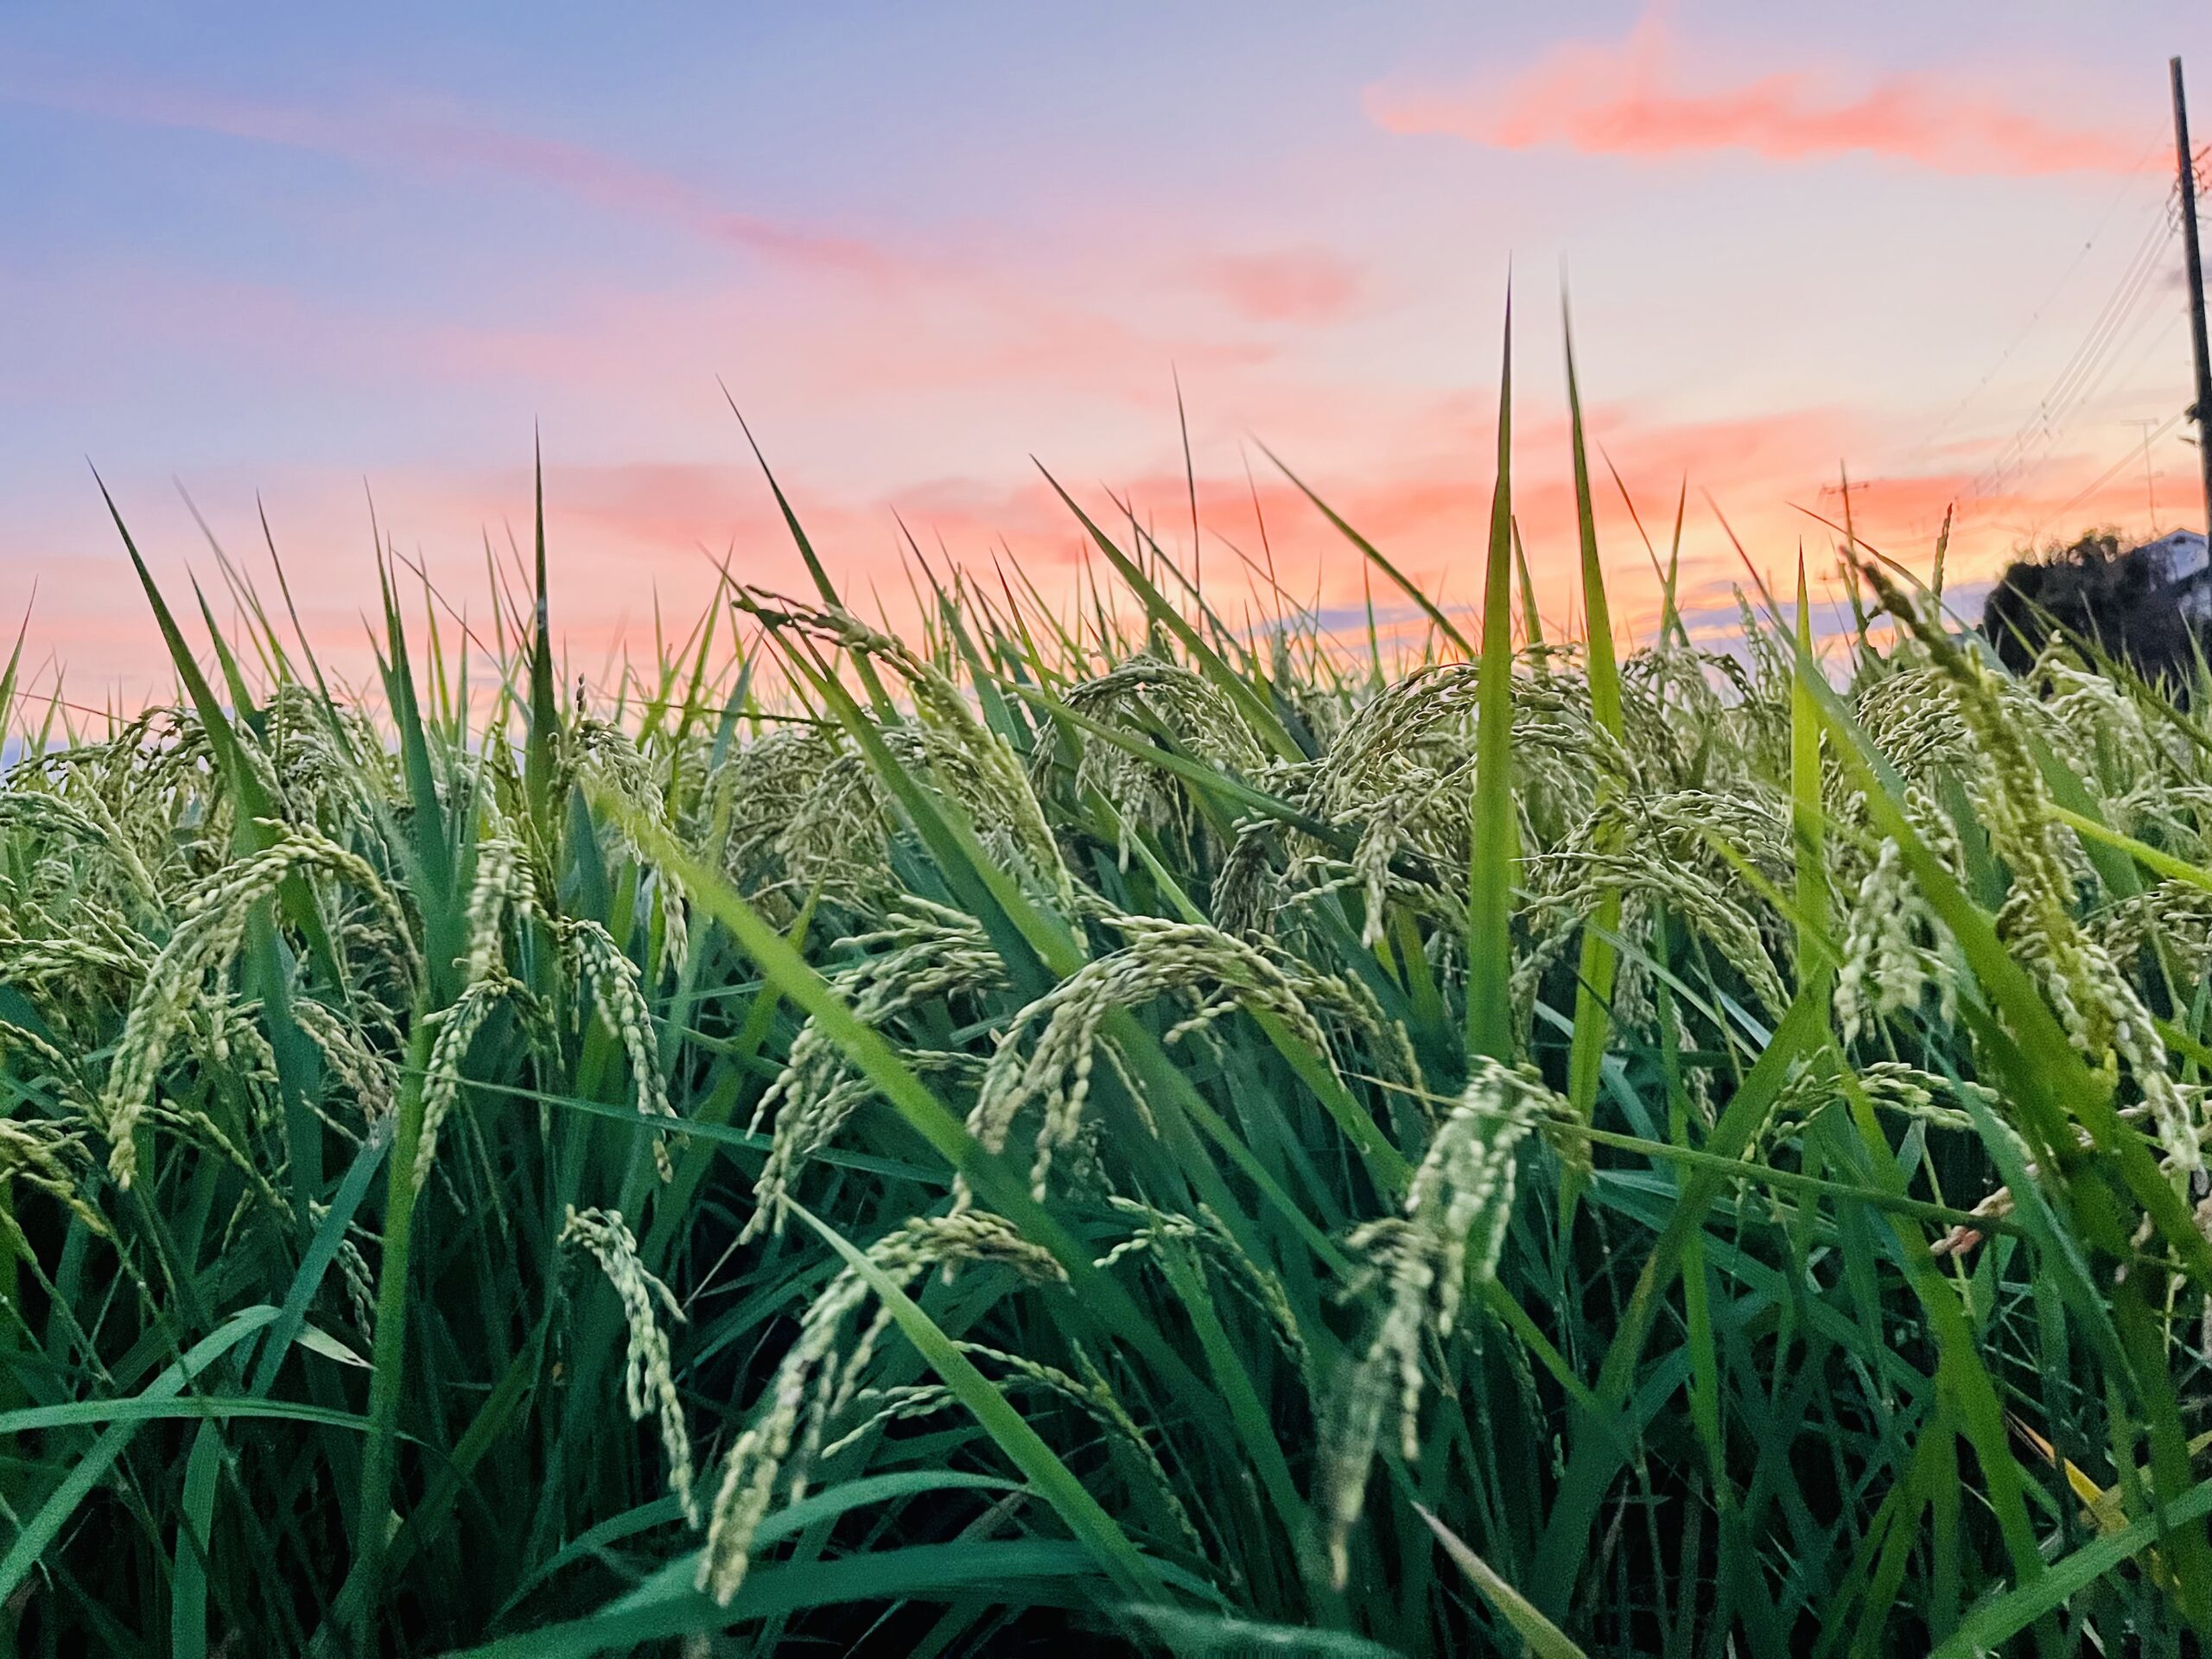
x=613, y=983
x=205, y=941
x=787, y=1431
x=1420, y=1264
x=649, y=1380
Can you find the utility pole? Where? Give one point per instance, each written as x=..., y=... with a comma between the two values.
x=2150, y=489
x=2186, y=165
x=1844, y=492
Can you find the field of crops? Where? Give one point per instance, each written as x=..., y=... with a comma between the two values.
x=1092, y=1124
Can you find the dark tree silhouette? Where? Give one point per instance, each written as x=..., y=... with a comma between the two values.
x=2125, y=603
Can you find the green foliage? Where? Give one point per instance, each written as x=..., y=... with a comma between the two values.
x=1170, y=1136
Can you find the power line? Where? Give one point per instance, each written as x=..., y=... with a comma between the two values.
x=2126, y=291
x=2130, y=310
x=2176, y=321
x=2063, y=400
x=2086, y=390
x=2132, y=180
x=2149, y=477
x=2114, y=471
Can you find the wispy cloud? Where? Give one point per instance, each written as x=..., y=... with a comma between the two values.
x=908, y=313
x=1298, y=285
x=601, y=179
x=436, y=143
x=1638, y=96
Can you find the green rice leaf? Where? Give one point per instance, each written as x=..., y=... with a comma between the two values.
x=45, y=1523
x=1545, y=1639
x=1496, y=835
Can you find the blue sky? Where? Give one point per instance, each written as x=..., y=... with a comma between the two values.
x=286, y=252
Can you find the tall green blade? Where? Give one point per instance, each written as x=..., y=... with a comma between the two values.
x=542, y=742
x=1239, y=690
x=1543, y=1638
x=428, y=838
x=1815, y=967
x=1374, y=556
x=255, y=807
x=1594, y=978
x=877, y=696
x=1494, y=851
x=1532, y=620
x=7, y=674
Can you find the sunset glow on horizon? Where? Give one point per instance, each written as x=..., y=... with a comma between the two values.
x=296, y=269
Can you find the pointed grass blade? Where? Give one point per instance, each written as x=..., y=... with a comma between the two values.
x=1239, y=690
x=1545, y=1639
x=1494, y=838
x=255, y=807
x=542, y=737
x=1594, y=978
x=1374, y=556
x=44, y=1526
x=1806, y=823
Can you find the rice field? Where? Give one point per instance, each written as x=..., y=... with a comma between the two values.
x=1089, y=1124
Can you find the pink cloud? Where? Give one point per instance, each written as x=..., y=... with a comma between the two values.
x=440, y=143
x=921, y=319
x=1306, y=285
x=1633, y=97
x=601, y=180
x=959, y=335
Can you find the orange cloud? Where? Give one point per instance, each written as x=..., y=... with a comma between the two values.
x=1307, y=285
x=1409, y=471
x=1632, y=97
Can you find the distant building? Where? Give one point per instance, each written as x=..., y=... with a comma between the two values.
x=2183, y=567
x=2150, y=607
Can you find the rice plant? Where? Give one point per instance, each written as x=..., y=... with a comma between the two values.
x=1174, y=1137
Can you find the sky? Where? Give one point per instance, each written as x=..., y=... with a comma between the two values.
x=343, y=267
